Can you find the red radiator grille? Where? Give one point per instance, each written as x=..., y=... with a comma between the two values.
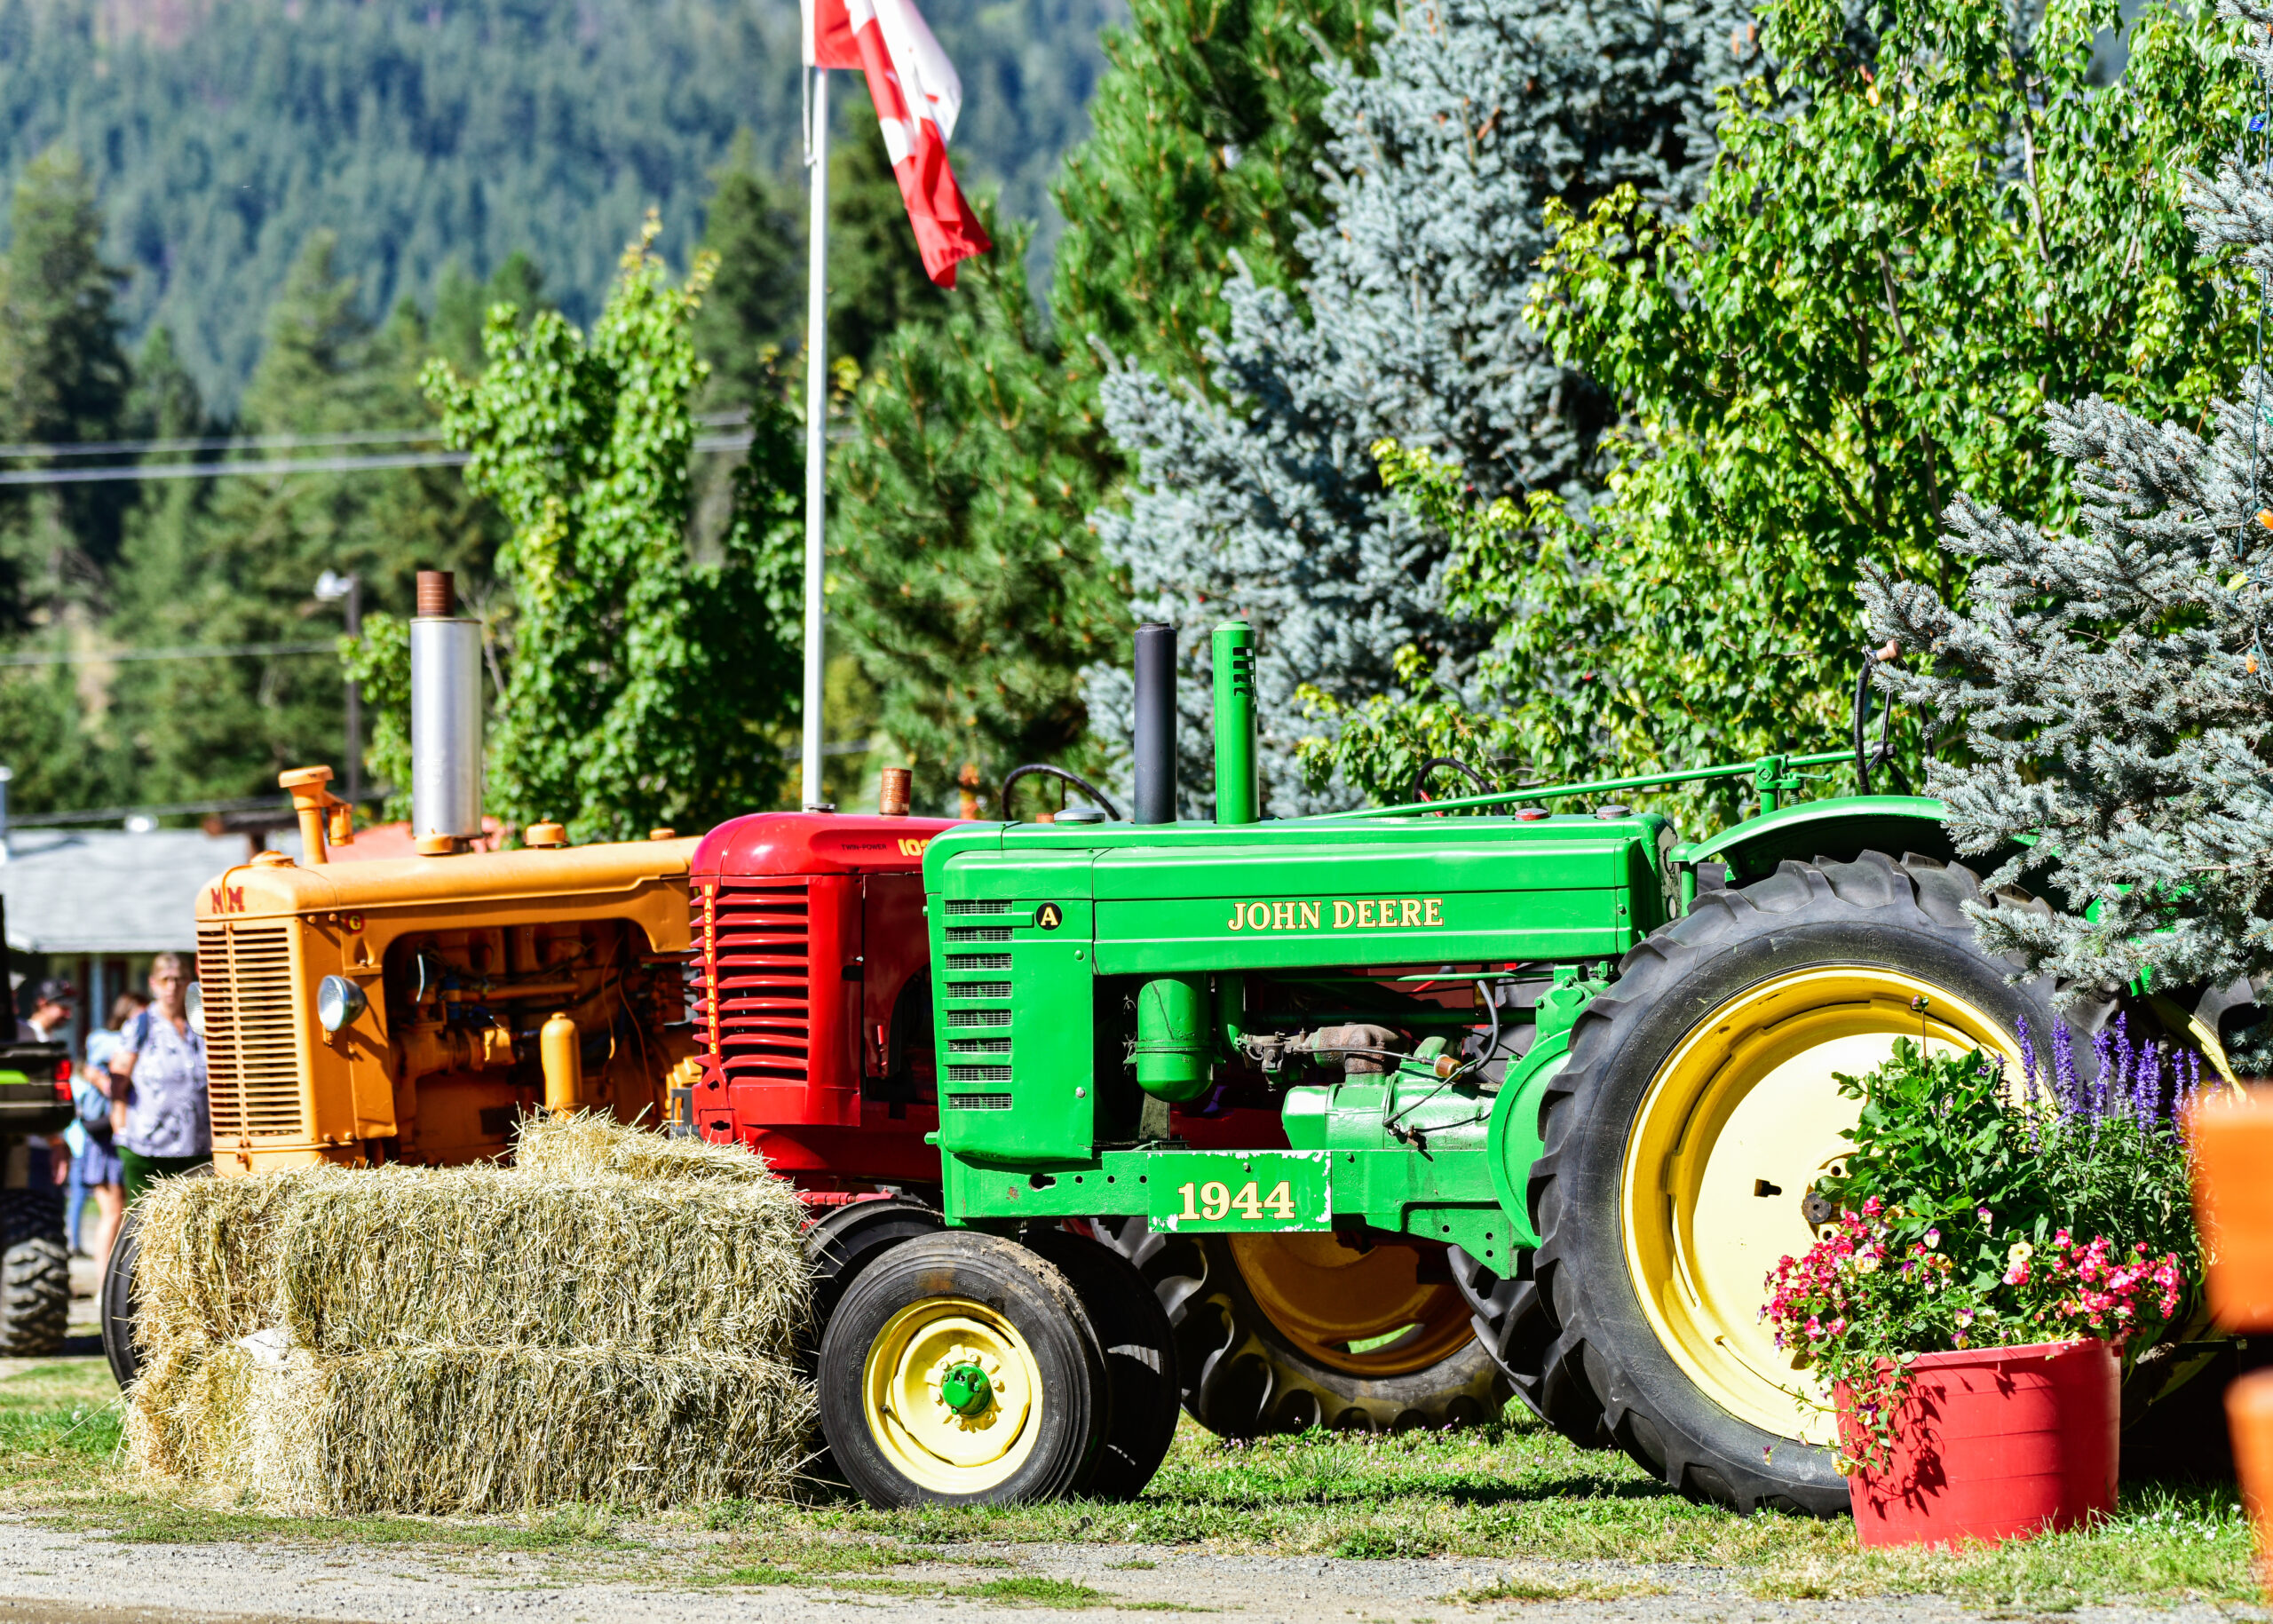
x=756, y=988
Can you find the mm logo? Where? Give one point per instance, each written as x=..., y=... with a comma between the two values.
x=226, y=898
x=910, y=846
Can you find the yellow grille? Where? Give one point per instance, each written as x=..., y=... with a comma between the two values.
x=252, y=1061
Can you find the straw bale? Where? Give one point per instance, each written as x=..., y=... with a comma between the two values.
x=589, y=1142
x=454, y=1430
x=611, y=1320
x=206, y=1270
x=405, y=1258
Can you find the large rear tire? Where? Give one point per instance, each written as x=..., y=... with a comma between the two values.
x=1694, y=1112
x=962, y=1369
x=1264, y=1328
x=35, y=1272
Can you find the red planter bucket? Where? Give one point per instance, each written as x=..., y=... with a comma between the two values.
x=1995, y=1444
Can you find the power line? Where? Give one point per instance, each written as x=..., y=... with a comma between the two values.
x=214, y=650
x=273, y=442
x=120, y=472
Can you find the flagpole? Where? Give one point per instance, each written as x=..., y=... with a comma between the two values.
x=816, y=417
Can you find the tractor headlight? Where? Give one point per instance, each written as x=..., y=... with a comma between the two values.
x=338, y=1002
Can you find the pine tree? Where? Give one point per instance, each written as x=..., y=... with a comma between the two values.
x=967, y=489
x=63, y=378
x=980, y=441
x=1266, y=502
x=237, y=562
x=755, y=311
x=2103, y=698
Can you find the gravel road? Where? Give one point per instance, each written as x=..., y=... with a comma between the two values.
x=52, y=1577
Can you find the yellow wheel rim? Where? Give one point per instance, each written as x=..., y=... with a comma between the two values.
x=1740, y=1120
x=921, y=1360
x=1323, y=1296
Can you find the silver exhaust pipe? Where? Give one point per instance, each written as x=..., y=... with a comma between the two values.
x=444, y=719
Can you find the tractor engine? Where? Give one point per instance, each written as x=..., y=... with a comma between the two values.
x=814, y=997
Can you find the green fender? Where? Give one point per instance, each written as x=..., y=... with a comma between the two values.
x=1839, y=827
x=1512, y=1142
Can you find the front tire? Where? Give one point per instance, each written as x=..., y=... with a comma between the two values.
x=1696, y=1110
x=35, y=1273
x=962, y=1369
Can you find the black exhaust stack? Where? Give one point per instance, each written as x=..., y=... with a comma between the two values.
x=1155, y=723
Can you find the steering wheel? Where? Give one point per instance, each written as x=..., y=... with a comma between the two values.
x=1043, y=770
x=1421, y=778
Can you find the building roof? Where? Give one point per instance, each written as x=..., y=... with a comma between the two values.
x=110, y=890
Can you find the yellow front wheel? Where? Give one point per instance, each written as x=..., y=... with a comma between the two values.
x=960, y=1368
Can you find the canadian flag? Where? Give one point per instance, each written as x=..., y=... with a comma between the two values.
x=917, y=98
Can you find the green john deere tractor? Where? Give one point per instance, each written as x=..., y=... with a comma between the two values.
x=1593, y=1063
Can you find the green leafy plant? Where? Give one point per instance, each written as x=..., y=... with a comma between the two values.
x=1917, y=234
x=642, y=685
x=1975, y=1213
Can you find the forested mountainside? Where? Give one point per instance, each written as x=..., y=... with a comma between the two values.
x=221, y=135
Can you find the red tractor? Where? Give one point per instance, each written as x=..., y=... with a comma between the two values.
x=816, y=1032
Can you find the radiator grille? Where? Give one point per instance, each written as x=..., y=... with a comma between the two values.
x=978, y=933
x=978, y=1018
x=252, y=1058
x=756, y=980
x=979, y=1046
x=979, y=1101
x=979, y=989
x=978, y=1073
x=971, y=964
x=981, y=906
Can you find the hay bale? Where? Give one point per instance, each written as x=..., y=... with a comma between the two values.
x=456, y=1430
x=587, y=1142
x=614, y=1321
x=207, y=1270
x=407, y=1258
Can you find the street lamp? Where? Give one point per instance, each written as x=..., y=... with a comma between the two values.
x=332, y=587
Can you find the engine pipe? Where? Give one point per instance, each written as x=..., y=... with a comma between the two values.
x=1233, y=647
x=444, y=719
x=1156, y=723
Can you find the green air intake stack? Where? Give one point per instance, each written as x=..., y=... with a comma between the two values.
x=1234, y=650
x=1174, y=1037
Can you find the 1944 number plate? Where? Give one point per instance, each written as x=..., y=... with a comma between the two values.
x=1261, y=1191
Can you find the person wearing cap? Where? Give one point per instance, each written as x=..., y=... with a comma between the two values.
x=158, y=1085
x=50, y=1023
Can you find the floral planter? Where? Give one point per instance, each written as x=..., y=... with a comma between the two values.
x=2233, y=1204
x=1993, y=1444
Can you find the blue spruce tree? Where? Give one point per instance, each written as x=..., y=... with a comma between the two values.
x=2102, y=699
x=1261, y=499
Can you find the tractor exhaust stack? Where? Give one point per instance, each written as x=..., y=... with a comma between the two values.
x=1156, y=723
x=444, y=719
x=1233, y=648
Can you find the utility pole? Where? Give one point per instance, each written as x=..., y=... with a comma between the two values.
x=335, y=587
x=816, y=416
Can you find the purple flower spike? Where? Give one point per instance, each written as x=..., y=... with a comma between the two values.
x=2064, y=1069
x=2125, y=1055
x=2103, y=1074
x=2028, y=1058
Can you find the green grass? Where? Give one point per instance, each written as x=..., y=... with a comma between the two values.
x=1513, y=1491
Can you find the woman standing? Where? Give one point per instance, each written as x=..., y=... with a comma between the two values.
x=158, y=1085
